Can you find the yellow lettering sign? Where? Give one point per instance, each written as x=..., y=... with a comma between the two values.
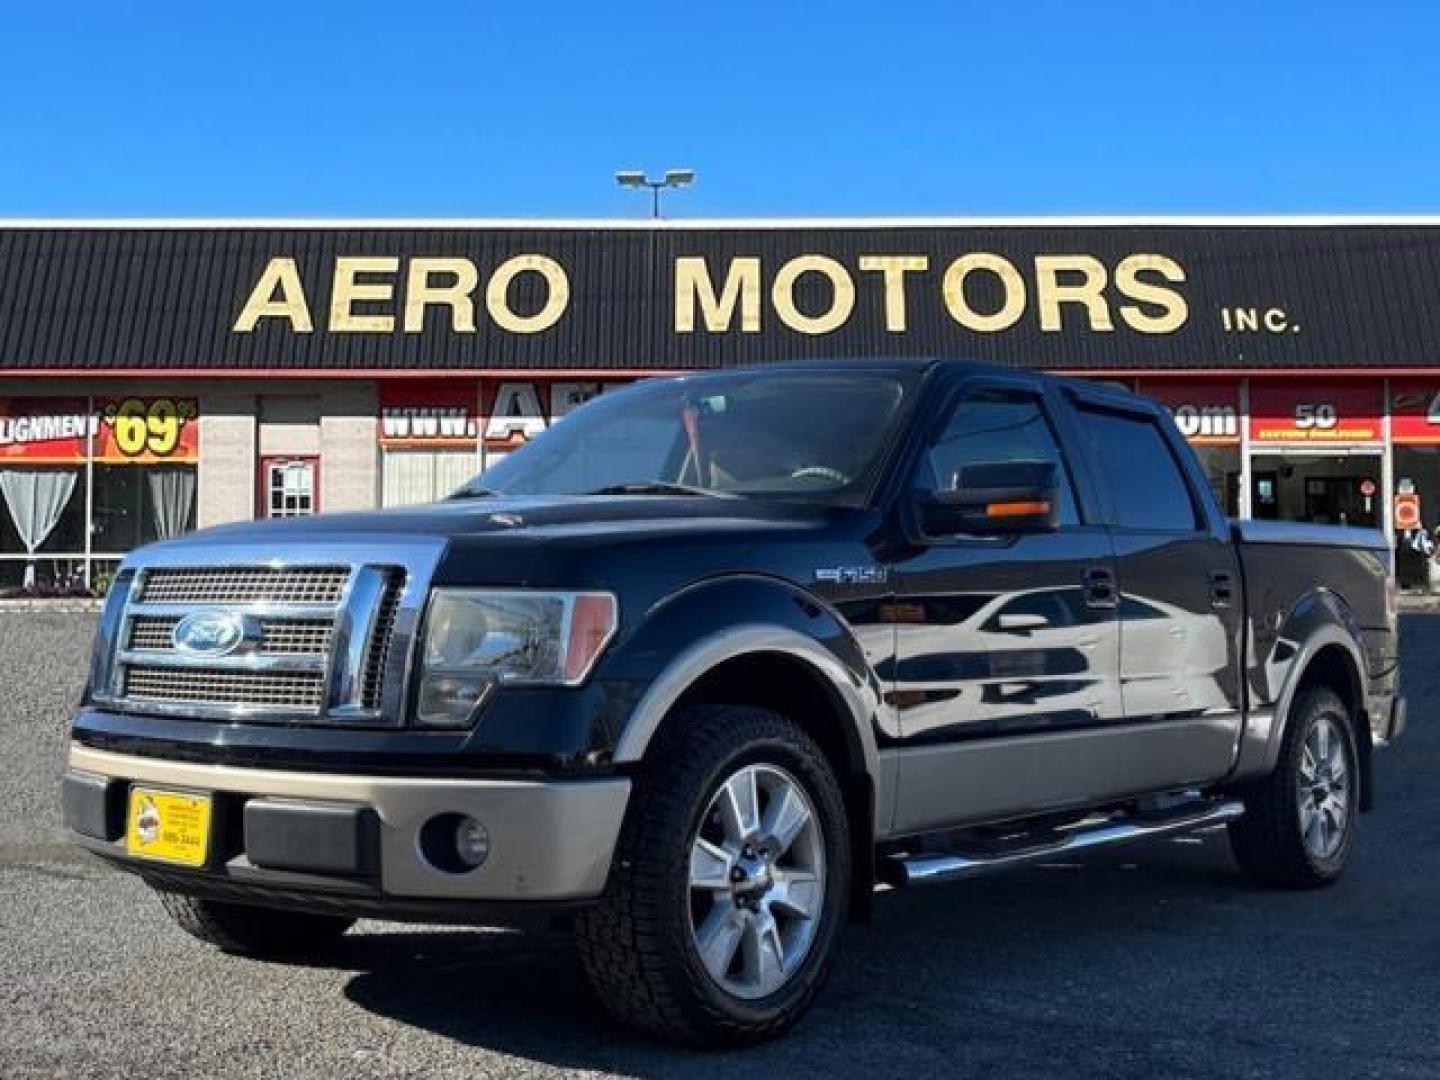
x=694, y=287
x=1173, y=310
x=842, y=294
x=1088, y=292
x=347, y=292
x=422, y=291
x=283, y=278
x=958, y=304
x=497, y=295
x=895, y=267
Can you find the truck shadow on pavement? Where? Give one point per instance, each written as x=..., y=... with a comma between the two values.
x=1051, y=968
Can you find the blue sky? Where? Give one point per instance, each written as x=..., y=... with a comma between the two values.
x=326, y=108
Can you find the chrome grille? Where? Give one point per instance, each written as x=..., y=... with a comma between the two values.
x=278, y=637
x=260, y=689
x=377, y=657
x=321, y=641
x=251, y=585
x=152, y=631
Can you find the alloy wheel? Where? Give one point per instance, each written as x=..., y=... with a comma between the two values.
x=1324, y=789
x=757, y=881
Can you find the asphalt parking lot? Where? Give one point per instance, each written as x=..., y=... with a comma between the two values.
x=1158, y=961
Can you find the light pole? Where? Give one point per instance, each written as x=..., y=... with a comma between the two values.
x=673, y=178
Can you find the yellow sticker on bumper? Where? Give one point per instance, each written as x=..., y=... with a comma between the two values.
x=168, y=826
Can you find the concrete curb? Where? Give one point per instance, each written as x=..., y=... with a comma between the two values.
x=58, y=604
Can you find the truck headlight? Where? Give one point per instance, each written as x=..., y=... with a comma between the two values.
x=476, y=638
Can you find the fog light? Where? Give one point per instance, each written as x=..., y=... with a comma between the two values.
x=454, y=843
x=472, y=842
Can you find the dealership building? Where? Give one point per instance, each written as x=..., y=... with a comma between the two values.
x=159, y=376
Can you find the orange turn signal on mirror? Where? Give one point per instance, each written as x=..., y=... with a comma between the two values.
x=1017, y=509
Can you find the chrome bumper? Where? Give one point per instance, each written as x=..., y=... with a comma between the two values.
x=549, y=840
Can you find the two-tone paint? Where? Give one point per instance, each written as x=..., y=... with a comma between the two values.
x=954, y=681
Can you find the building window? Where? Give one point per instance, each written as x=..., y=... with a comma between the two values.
x=44, y=529
x=421, y=476
x=1417, y=479
x=139, y=504
x=289, y=487
x=84, y=480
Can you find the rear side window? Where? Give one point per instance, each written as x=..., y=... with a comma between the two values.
x=1139, y=471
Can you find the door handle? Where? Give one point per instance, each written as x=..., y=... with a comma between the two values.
x=1101, y=590
x=1023, y=623
x=1222, y=588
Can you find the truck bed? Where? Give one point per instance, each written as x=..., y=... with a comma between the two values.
x=1296, y=573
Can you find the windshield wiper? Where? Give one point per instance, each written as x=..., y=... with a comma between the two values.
x=475, y=493
x=658, y=487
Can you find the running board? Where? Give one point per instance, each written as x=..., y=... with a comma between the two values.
x=933, y=867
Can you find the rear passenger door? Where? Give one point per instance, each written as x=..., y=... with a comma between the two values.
x=1180, y=603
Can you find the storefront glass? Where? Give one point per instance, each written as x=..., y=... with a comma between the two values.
x=437, y=434
x=429, y=439
x=421, y=476
x=85, y=480
x=1415, y=430
x=1322, y=489
x=1317, y=451
x=1417, y=518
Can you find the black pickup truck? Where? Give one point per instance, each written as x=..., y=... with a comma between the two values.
x=713, y=659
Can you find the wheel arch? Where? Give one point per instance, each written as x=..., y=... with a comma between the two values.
x=1337, y=668
x=1326, y=652
x=787, y=672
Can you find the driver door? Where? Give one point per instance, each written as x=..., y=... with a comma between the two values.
x=1006, y=678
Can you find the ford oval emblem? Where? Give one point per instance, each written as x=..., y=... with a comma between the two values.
x=209, y=633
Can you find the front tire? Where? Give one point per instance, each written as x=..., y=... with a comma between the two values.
x=730, y=882
x=254, y=931
x=1299, y=823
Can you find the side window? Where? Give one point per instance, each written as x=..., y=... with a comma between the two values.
x=991, y=426
x=1137, y=467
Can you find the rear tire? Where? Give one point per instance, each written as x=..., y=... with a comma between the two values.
x=1299, y=823
x=729, y=885
x=254, y=931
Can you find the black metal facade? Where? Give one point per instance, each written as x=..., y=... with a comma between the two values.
x=159, y=300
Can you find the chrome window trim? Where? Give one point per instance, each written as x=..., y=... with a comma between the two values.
x=376, y=564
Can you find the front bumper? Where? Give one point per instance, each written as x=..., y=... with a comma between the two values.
x=335, y=836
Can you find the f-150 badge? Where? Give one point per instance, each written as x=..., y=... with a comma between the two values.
x=851, y=575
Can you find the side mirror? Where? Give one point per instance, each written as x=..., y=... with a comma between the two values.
x=995, y=499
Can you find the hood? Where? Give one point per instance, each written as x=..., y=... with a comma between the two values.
x=643, y=548
x=597, y=516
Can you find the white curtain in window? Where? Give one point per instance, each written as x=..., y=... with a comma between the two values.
x=36, y=498
x=421, y=476
x=172, y=492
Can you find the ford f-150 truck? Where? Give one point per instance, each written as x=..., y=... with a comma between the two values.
x=715, y=658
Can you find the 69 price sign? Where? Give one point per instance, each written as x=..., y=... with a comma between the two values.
x=136, y=429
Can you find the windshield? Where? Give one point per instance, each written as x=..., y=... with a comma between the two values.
x=767, y=434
